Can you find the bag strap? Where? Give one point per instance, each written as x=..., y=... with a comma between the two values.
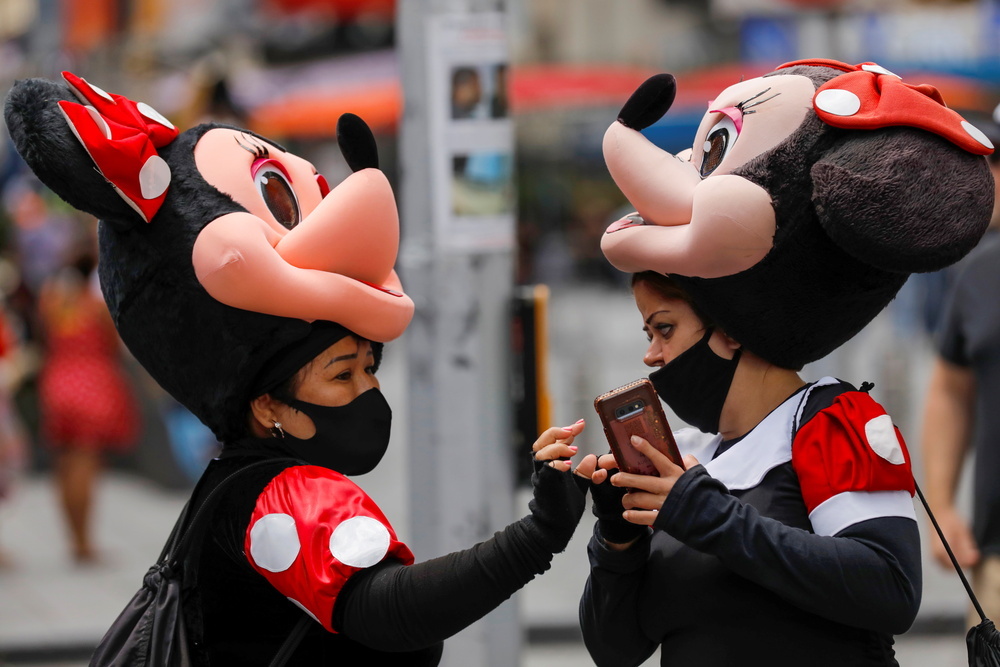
x=181, y=535
x=171, y=543
x=951, y=554
x=291, y=642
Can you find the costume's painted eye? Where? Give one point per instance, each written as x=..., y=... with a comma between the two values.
x=275, y=187
x=718, y=144
x=324, y=187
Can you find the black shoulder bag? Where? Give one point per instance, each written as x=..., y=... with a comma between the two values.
x=150, y=631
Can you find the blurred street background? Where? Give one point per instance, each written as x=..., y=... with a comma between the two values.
x=287, y=69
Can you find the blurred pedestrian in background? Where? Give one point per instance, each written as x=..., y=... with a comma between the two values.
x=961, y=415
x=86, y=406
x=13, y=439
x=42, y=235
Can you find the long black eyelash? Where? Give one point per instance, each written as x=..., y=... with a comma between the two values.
x=744, y=106
x=257, y=149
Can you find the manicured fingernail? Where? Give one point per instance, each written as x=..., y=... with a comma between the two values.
x=579, y=421
x=574, y=447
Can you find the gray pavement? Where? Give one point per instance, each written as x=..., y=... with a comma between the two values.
x=50, y=609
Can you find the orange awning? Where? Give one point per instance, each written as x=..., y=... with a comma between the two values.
x=315, y=114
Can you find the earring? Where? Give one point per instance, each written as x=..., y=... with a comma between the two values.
x=276, y=432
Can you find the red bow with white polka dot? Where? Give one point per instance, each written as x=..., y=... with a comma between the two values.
x=868, y=96
x=121, y=137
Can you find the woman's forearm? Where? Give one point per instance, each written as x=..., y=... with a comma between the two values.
x=867, y=576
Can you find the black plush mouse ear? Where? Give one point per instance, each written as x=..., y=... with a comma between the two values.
x=902, y=199
x=74, y=149
x=357, y=143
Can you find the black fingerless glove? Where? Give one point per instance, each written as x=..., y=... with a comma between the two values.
x=608, y=510
x=557, y=505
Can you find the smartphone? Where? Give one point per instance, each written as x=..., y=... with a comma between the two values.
x=634, y=409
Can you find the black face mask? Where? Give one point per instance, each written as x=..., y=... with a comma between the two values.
x=350, y=439
x=696, y=383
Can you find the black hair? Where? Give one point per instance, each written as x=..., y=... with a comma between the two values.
x=667, y=287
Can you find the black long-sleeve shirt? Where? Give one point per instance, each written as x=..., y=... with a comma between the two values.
x=739, y=577
x=749, y=586
x=387, y=613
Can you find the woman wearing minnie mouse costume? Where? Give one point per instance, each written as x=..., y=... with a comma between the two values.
x=789, y=537
x=260, y=299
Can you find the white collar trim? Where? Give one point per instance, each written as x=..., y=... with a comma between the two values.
x=764, y=448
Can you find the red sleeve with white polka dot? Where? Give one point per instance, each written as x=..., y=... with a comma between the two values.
x=312, y=528
x=852, y=465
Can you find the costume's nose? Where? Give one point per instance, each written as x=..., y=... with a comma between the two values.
x=649, y=102
x=354, y=231
x=657, y=183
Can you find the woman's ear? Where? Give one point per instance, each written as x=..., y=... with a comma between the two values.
x=723, y=345
x=731, y=343
x=263, y=412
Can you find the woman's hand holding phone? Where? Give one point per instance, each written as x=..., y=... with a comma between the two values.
x=648, y=492
x=616, y=533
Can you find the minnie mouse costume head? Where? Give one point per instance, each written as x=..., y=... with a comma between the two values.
x=808, y=198
x=218, y=248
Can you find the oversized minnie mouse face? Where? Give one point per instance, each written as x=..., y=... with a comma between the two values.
x=808, y=197
x=698, y=215
x=297, y=250
x=300, y=250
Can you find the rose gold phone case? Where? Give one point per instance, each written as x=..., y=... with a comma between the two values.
x=634, y=409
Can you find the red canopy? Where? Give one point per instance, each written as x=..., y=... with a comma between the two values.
x=379, y=100
x=344, y=9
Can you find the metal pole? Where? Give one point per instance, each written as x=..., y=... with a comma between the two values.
x=457, y=266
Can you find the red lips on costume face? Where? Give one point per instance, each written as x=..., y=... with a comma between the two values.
x=633, y=220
